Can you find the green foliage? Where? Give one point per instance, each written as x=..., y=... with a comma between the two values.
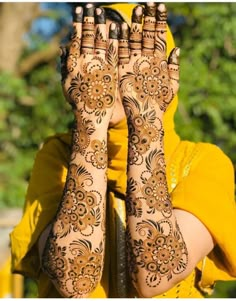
x=224, y=290
x=208, y=73
x=30, y=110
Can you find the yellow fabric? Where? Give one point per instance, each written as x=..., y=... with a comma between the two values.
x=200, y=180
x=5, y=279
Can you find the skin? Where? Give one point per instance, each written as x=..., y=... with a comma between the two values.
x=162, y=248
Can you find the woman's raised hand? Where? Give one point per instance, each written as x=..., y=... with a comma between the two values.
x=148, y=80
x=89, y=66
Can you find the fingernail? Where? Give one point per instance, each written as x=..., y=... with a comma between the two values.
x=174, y=56
x=161, y=7
x=161, y=12
x=150, y=9
x=113, y=31
x=124, y=34
x=137, y=14
x=100, y=17
x=177, y=51
x=89, y=10
x=78, y=15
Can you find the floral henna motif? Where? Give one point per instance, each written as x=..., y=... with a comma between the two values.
x=154, y=190
x=55, y=262
x=150, y=83
x=162, y=252
x=143, y=130
x=82, y=270
x=95, y=89
x=80, y=208
x=98, y=157
x=81, y=134
x=85, y=267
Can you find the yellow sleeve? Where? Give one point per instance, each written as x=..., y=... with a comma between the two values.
x=42, y=199
x=208, y=193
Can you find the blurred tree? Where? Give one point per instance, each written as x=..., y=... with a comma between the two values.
x=15, y=20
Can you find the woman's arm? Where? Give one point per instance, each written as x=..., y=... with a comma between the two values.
x=74, y=252
x=164, y=244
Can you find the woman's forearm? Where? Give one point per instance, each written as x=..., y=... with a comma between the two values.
x=74, y=252
x=157, y=252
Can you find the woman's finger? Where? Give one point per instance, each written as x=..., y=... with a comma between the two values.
x=112, y=50
x=77, y=25
x=136, y=31
x=173, y=67
x=88, y=30
x=149, y=28
x=100, y=31
x=74, y=49
x=124, y=44
x=161, y=29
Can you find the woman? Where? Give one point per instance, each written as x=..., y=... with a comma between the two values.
x=124, y=185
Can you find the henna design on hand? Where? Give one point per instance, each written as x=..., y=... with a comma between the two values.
x=80, y=275
x=90, y=85
x=149, y=29
x=85, y=267
x=136, y=31
x=88, y=30
x=161, y=29
x=95, y=90
x=124, y=44
x=74, y=253
x=100, y=31
x=154, y=189
x=160, y=251
x=98, y=157
x=148, y=83
x=79, y=208
x=150, y=78
x=74, y=49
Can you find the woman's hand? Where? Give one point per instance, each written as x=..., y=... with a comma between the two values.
x=89, y=67
x=148, y=81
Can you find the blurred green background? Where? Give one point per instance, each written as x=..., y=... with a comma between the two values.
x=32, y=106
